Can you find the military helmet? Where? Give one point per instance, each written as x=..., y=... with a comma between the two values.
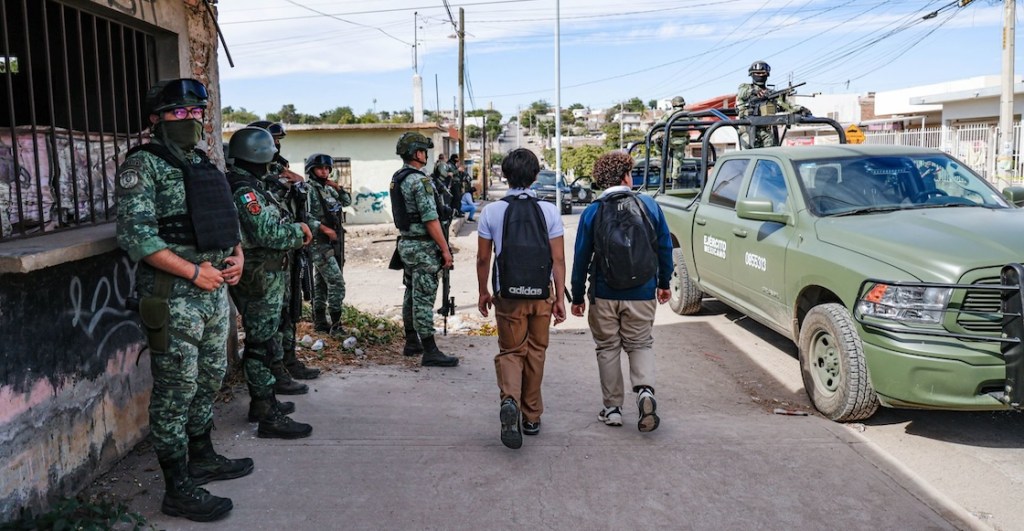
x=759, y=66
x=317, y=160
x=678, y=102
x=174, y=93
x=411, y=142
x=275, y=128
x=252, y=144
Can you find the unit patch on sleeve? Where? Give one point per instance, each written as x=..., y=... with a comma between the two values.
x=252, y=205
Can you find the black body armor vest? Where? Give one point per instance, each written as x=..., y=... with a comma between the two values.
x=403, y=219
x=211, y=223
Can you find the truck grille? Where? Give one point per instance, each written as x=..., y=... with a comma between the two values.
x=980, y=309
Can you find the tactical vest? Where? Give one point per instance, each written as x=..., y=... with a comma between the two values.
x=403, y=219
x=211, y=223
x=238, y=181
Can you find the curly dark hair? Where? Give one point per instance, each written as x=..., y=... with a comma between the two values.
x=610, y=168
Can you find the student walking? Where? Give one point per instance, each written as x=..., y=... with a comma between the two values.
x=625, y=237
x=526, y=236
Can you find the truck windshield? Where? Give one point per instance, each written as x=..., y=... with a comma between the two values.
x=871, y=184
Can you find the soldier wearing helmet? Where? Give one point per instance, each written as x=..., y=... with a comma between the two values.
x=750, y=102
x=421, y=247
x=269, y=233
x=176, y=218
x=678, y=141
x=326, y=200
x=291, y=191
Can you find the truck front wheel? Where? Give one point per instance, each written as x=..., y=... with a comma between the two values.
x=686, y=295
x=832, y=364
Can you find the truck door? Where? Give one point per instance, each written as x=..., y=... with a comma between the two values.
x=713, y=222
x=760, y=265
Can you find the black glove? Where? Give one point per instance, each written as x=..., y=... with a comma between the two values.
x=804, y=111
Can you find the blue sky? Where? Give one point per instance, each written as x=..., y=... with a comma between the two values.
x=320, y=54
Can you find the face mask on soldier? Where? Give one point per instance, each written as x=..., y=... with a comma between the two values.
x=182, y=133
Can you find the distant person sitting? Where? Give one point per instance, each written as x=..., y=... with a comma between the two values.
x=468, y=205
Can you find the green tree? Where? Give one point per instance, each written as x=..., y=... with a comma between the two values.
x=400, y=117
x=287, y=114
x=369, y=117
x=241, y=116
x=634, y=105
x=492, y=121
x=472, y=132
x=339, y=115
x=540, y=107
x=580, y=160
x=575, y=106
x=653, y=104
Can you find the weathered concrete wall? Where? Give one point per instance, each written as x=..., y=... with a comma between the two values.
x=74, y=393
x=72, y=399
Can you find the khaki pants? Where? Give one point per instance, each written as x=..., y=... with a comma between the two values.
x=523, y=326
x=617, y=326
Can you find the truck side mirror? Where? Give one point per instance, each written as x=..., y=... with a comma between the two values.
x=1014, y=194
x=760, y=210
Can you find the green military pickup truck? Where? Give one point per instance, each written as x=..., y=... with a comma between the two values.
x=886, y=265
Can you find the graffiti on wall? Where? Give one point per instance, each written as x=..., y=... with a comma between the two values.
x=134, y=8
x=103, y=315
x=370, y=202
x=67, y=321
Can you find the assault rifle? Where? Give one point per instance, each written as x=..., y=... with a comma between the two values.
x=447, y=299
x=301, y=274
x=755, y=102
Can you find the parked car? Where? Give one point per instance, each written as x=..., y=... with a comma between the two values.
x=653, y=176
x=576, y=192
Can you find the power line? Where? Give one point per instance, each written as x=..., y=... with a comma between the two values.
x=368, y=12
x=335, y=17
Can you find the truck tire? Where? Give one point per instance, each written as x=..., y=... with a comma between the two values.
x=567, y=204
x=832, y=364
x=686, y=295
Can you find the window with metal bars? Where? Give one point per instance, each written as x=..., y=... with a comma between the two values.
x=72, y=83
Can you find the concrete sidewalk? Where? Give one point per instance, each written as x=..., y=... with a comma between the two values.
x=400, y=448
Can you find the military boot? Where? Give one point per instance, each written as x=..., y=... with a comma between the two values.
x=206, y=465
x=433, y=357
x=320, y=323
x=274, y=425
x=296, y=368
x=283, y=382
x=337, y=330
x=183, y=498
x=285, y=408
x=413, y=347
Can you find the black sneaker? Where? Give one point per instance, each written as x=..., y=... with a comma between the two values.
x=511, y=434
x=647, y=406
x=531, y=428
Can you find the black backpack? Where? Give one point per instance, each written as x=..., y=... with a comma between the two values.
x=625, y=242
x=525, y=260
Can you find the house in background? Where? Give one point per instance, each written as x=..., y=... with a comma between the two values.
x=364, y=157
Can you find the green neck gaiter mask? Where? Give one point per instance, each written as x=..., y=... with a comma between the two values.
x=184, y=134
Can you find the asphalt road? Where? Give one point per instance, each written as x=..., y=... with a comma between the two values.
x=976, y=460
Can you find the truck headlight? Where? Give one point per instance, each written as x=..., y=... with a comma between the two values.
x=907, y=304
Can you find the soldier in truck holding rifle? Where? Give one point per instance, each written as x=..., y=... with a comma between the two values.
x=759, y=99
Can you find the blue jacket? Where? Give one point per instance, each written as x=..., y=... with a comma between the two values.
x=585, y=253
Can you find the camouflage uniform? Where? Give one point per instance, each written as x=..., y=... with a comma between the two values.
x=677, y=143
x=268, y=232
x=189, y=373
x=419, y=253
x=763, y=136
x=328, y=273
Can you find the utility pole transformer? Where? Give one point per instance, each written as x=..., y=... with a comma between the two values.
x=1004, y=160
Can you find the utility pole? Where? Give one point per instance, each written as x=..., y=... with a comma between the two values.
x=622, y=134
x=559, y=199
x=1004, y=160
x=519, y=125
x=462, y=86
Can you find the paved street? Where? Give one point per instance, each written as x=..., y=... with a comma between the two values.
x=397, y=448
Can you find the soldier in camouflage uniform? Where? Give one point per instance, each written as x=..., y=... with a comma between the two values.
x=326, y=199
x=677, y=143
x=290, y=190
x=268, y=233
x=175, y=215
x=421, y=246
x=763, y=136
